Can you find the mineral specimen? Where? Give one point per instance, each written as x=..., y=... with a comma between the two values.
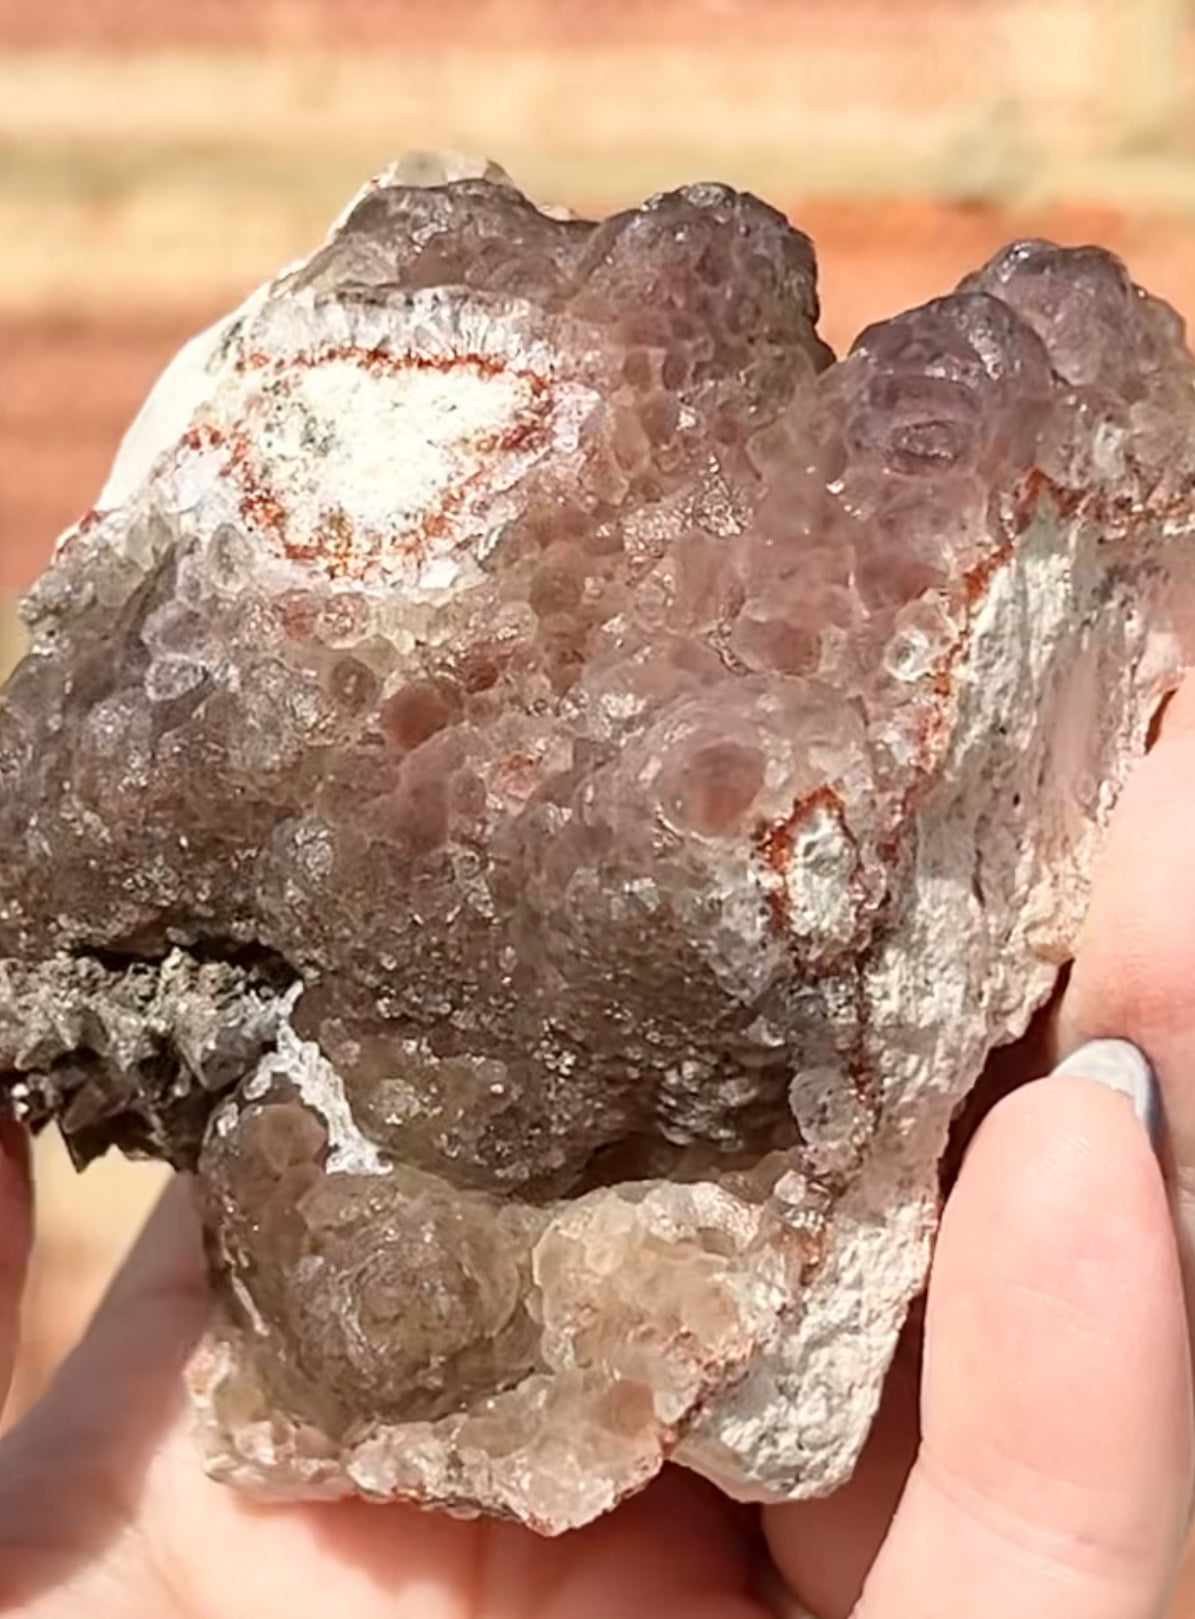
x=544, y=789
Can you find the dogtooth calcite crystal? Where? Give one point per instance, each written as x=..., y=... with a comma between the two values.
x=543, y=788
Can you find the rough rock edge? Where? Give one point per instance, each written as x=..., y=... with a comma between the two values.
x=1032, y=673
x=277, y=1458
x=132, y=1054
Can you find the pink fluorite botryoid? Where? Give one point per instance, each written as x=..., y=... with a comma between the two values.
x=545, y=789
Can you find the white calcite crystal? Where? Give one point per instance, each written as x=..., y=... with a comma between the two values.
x=544, y=789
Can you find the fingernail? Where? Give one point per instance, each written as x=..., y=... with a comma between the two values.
x=1120, y=1066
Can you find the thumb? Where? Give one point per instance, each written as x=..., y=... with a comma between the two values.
x=72, y=1470
x=1054, y=1475
x=16, y=1227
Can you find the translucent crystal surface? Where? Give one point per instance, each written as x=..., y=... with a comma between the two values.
x=544, y=788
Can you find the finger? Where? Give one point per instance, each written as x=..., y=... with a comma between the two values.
x=824, y=1548
x=1134, y=973
x=16, y=1225
x=72, y=1468
x=1054, y=1474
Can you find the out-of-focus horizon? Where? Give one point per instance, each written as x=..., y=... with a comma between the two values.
x=158, y=158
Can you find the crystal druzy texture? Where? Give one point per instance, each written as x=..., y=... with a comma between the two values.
x=544, y=789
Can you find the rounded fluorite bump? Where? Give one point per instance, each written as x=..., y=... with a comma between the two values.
x=544, y=788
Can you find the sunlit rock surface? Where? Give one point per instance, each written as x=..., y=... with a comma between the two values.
x=544, y=789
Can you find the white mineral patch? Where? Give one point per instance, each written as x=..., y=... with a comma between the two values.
x=382, y=464
x=817, y=879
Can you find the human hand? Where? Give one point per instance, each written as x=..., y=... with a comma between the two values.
x=1052, y=1436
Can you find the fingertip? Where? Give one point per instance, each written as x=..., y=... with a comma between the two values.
x=1056, y=1460
x=1057, y=1289
x=1063, y=1187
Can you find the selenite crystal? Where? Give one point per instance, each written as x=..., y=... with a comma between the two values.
x=544, y=790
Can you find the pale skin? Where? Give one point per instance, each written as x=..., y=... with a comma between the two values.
x=1036, y=1458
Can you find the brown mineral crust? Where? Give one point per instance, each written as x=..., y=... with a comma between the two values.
x=133, y=1055
x=419, y=1325
x=657, y=763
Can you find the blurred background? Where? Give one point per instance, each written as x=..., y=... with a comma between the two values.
x=159, y=157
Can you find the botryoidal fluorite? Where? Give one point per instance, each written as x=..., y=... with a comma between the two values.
x=544, y=789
